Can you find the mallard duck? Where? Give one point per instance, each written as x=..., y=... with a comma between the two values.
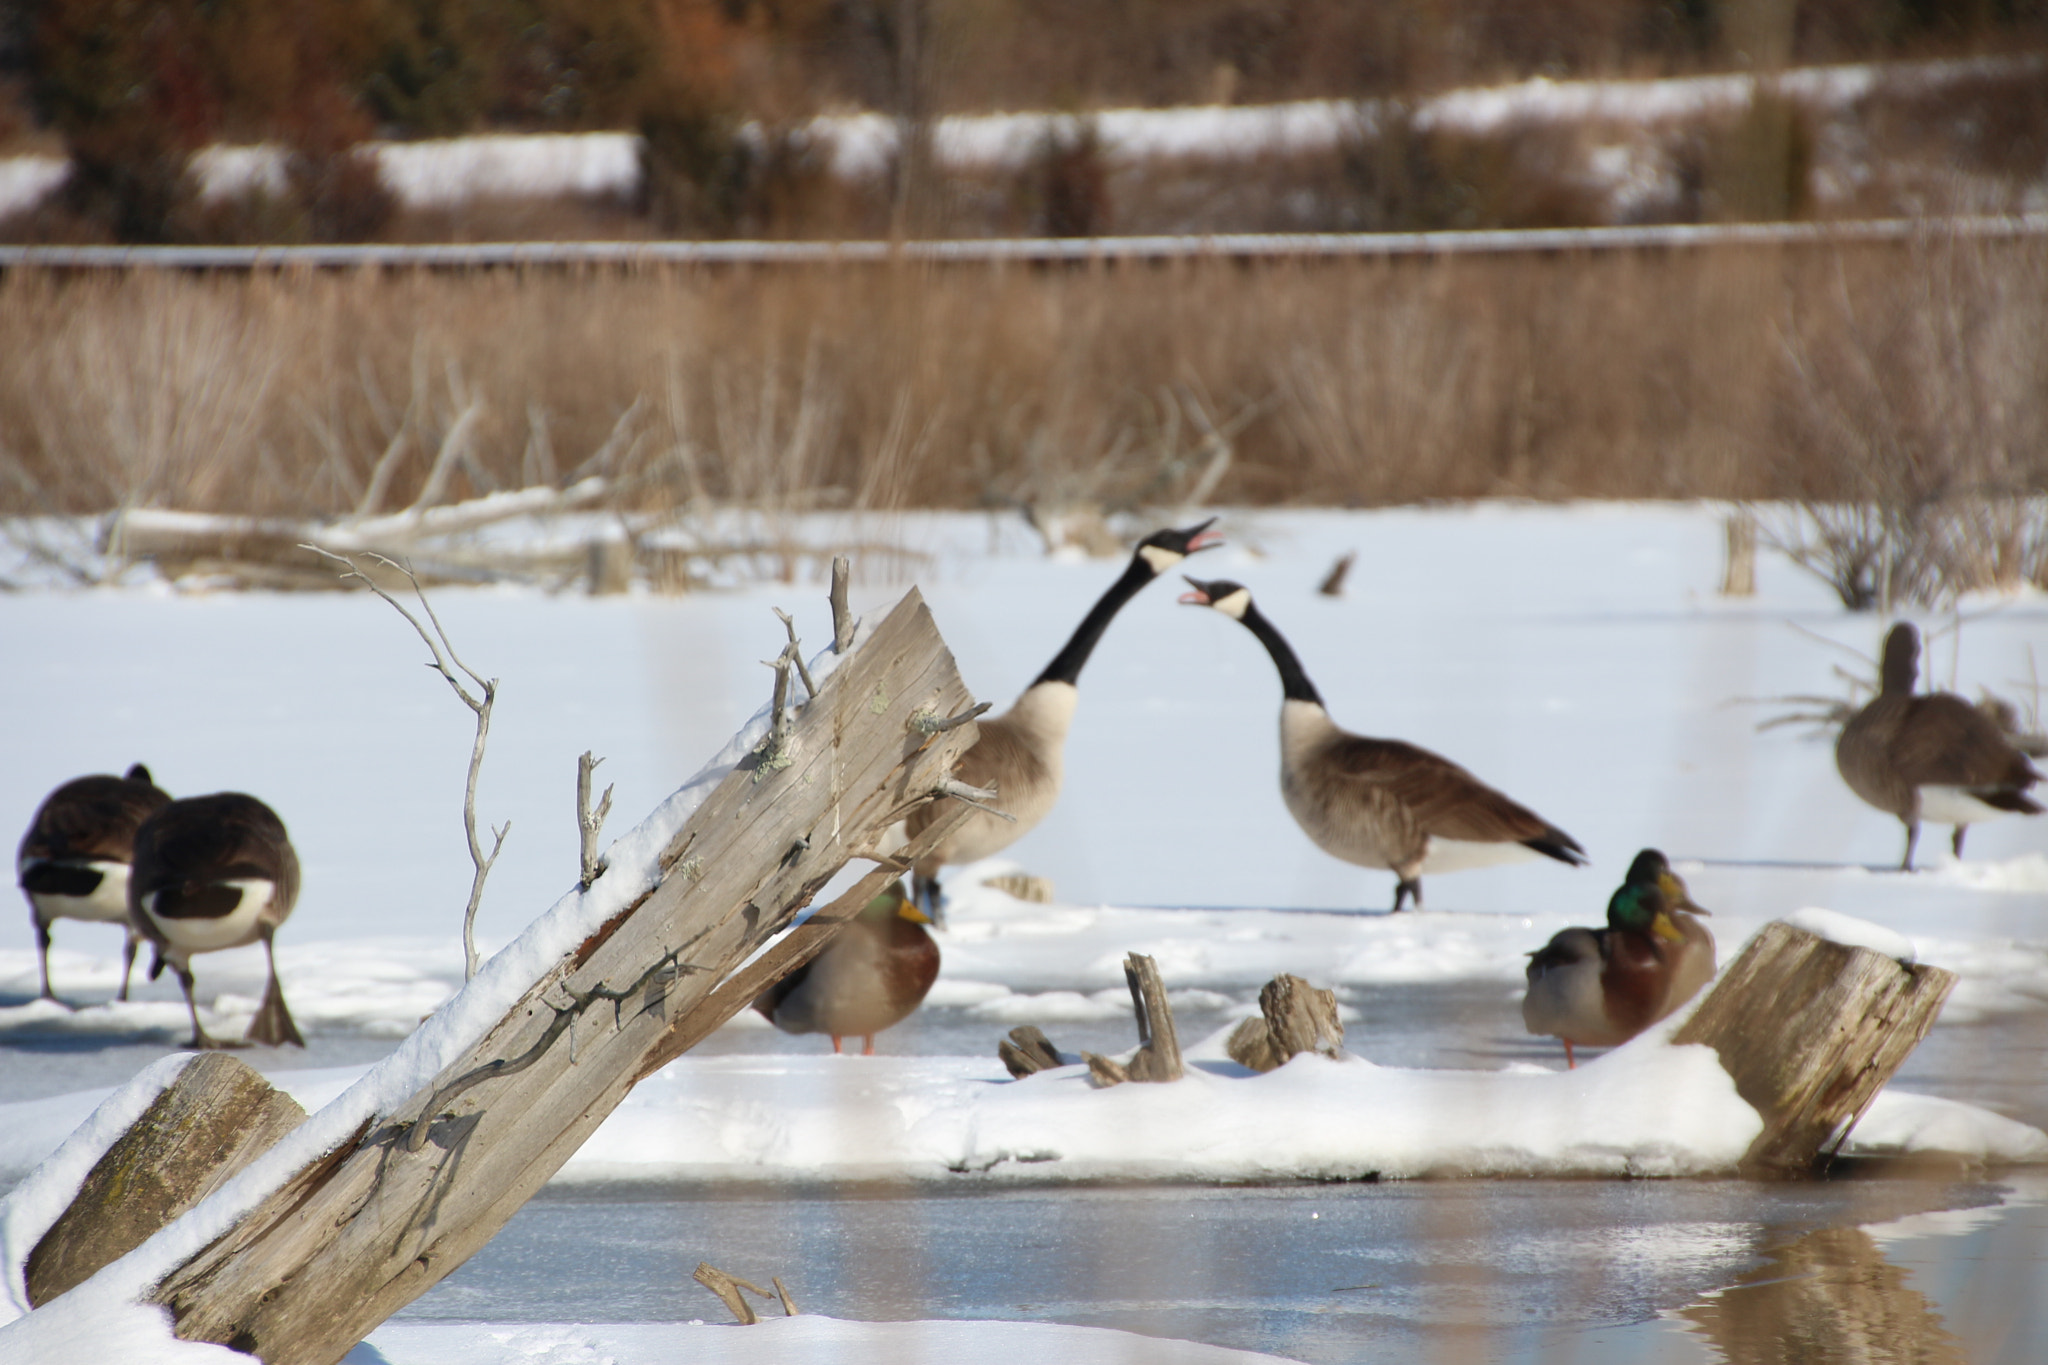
x=873, y=975
x=74, y=860
x=215, y=872
x=1382, y=802
x=1021, y=753
x=1930, y=757
x=1601, y=987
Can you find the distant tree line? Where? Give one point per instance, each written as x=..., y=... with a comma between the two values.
x=134, y=87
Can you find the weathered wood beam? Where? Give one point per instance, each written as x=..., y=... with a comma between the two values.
x=1811, y=1030
x=368, y=1227
x=215, y=1118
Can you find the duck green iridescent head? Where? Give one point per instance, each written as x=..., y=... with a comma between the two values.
x=1647, y=897
x=892, y=903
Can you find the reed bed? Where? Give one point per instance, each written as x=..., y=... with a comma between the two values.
x=1859, y=374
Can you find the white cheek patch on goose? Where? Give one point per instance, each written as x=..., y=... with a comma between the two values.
x=231, y=930
x=1233, y=604
x=1159, y=558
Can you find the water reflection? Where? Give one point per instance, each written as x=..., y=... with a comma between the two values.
x=1829, y=1298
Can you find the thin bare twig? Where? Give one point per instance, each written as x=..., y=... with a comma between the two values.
x=795, y=652
x=977, y=797
x=444, y=654
x=589, y=822
x=842, y=618
x=927, y=722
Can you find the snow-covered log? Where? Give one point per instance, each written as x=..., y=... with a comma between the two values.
x=271, y=550
x=215, y=1118
x=365, y=1228
x=1811, y=1028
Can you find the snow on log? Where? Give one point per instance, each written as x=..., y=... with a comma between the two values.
x=365, y=1228
x=1811, y=1029
x=215, y=1118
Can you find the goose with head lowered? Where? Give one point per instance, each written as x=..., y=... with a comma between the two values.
x=1932, y=756
x=1601, y=987
x=1383, y=803
x=214, y=872
x=872, y=976
x=1021, y=753
x=73, y=862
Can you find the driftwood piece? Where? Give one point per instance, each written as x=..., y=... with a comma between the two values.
x=369, y=1226
x=1027, y=1051
x=1294, y=1017
x=1333, y=581
x=728, y=1288
x=1738, y=567
x=214, y=1119
x=1158, y=1055
x=1811, y=1030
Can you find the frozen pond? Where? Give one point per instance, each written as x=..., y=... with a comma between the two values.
x=1495, y=1271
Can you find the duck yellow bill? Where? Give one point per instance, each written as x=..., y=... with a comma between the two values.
x=907, y=909
x=1666, y=927
x=1675, y=891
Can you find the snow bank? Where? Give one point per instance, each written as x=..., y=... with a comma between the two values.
x=806, y=1340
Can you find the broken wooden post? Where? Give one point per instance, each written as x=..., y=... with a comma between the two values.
x=1811, y=1030
x=1027, y=1051
x=367, y=1227
x=209, y=1123
x=1294, y=1017
x=1158, y=1055
x=1738, y=568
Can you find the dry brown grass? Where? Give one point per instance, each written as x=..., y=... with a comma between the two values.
x=1762, y=373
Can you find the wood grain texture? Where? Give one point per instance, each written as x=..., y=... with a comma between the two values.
x=369, y=1227
x=1811, y=1030
x=215, y=1118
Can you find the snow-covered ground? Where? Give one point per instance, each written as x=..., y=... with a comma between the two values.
x=1624, y=159
x=1577, y=657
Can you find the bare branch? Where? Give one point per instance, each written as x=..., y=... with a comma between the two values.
x=842, y=618
x=728, y=1288
x=977, y=797
x=927, y=722
x=443, y=651
x=782, y=1292
x=589, y=822
x=452, y=448
x=795, y=652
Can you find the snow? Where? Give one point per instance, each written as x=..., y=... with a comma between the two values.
x=1856, y=933
x=440, y=172
x=1573, y=655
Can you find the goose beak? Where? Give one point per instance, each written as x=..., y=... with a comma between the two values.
x=1202, y=538
x=1199, y=597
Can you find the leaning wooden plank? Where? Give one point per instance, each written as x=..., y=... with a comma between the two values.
x=1811, y=1030
x=357, y=1234
x=215, y=1118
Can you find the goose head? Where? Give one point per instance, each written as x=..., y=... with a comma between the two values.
x=1162, y=550
x=1232, y=599
x=1900, y=670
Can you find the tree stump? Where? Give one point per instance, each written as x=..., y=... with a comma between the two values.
x=214, y=1119
x=1158, y=1056
x=1295, y=1017
x=1811, y=1030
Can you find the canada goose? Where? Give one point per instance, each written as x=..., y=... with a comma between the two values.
x=1021, y=752
x=1383, y=802
x=1600, y=987
x=872, y=976
x=215, y=872
x=73, y=862
x=1932, y=757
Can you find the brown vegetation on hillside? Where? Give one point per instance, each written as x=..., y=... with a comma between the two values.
x=1900, y=375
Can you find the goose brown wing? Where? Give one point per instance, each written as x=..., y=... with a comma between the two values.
x=216, y=838
x=1443, y=799
x=1945, y=741
x=92, y=818
x=999, y=756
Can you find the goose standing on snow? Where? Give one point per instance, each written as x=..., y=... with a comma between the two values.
x=1601, y=987
x=215, y=872
x=1383, y=802
x=872, y=976
x=1932, y=757
x=1021, y=753
x=73, y=862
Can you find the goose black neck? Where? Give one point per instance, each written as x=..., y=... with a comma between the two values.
x=1294, y=683
x=1067, y=664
